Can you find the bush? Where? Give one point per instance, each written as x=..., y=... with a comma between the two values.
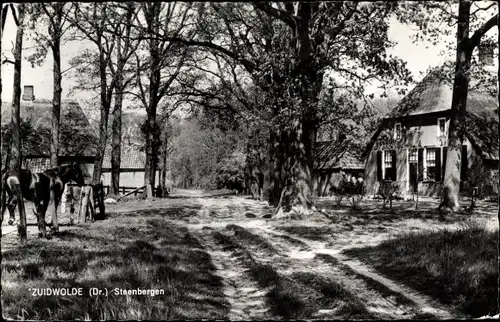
x=350, y=188
x=389, y=190
x=230, y=174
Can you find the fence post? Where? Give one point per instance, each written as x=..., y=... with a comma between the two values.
x=90, y=203
x=83, y=205
x=21, y=228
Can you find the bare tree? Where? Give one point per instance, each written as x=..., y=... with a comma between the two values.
x=125, y=48
x=163, y=62
x=91, y=20
x=16, y=155
x=54, y=15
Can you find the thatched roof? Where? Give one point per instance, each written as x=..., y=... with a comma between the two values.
x=434, y=94
x=328, y=156
x=130, y=159
x=77, y=138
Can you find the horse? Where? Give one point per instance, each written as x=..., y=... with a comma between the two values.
x=37, y=187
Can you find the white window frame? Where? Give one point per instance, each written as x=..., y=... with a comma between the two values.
x=439, y=133
x=426, y=178
x=396, y=131
x=389, y=152
x=424, y=166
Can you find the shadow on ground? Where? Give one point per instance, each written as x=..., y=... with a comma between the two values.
x=457, y=267
x=145, y=253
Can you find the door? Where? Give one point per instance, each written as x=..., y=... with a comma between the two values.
x=413, y=170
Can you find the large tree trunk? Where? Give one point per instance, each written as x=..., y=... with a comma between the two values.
x=498, y=176
x=154, y=85
x=116, y=139
x=296, y=197
x=274, y=169
x=123, y=51
x=56, y=101
x=458, y=106
x=164, y=157
x=151, y=151
x=15, y=155
x=103, y=122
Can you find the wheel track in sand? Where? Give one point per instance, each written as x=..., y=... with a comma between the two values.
x=420, y=303
x=246, y=297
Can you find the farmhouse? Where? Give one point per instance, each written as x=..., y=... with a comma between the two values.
x=133, y=156
x=332, y=166
x=78, y=143
x=132, y=168
x=410, y=145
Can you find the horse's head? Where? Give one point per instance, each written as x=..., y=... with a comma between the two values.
x=73, y=172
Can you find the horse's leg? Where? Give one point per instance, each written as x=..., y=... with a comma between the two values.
x=57, y=199
x=12, y=206
x=41, y=208
x=4, y=203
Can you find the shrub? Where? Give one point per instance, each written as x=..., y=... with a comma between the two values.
x=350, y=188
x=389, y=190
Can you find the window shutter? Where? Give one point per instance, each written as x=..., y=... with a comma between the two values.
x=445, y=151
x=464, y=164
x=420, y=176
x=393, y=174
x=438, y=165
x=379, y=165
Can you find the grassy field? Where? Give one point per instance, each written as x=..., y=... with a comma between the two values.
x=126, y=252
x=456, y=267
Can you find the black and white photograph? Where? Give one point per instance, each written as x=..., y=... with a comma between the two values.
x=308, y=160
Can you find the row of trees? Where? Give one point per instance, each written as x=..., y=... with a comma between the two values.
x=283, y=69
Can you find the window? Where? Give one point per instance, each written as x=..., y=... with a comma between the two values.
x=390, y=165
x=413, y=156
x=388, y=159
x=430, y=160
x=441, y=126
x=397, y=131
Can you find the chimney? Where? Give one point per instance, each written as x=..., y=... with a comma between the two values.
x=29, y=94
x=486, y=54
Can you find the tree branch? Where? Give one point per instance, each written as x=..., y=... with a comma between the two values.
x=478, y=34
x=284, y=16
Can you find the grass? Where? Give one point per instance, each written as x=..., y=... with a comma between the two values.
x=126, y=252
x=334, y=295
x=457, y=267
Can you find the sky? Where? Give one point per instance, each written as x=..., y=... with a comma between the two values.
x=419, y=57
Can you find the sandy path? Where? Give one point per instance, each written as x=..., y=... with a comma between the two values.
x=246, y=298
x=295, y=254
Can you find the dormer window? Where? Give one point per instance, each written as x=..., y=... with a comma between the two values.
x=397, y=131
x=441, y=127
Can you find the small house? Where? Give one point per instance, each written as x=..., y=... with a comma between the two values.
x=132, y=168
x=77, y=143
x=410, y=145
x=332, y=167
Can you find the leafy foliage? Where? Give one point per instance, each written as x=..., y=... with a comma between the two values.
x=388, y=190
x=230, y=173
x=204, y=156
